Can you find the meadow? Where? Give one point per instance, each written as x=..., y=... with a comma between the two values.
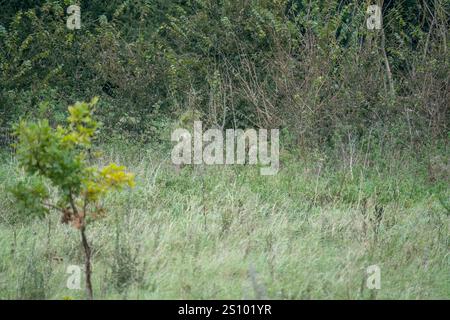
x=226, y=232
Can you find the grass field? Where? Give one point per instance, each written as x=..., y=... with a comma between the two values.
x=226, y=232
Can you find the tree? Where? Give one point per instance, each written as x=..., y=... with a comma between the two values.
x=56, y=159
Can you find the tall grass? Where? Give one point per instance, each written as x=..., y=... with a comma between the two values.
x=226, y=232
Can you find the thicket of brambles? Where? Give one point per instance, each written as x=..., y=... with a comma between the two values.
x=311, y=68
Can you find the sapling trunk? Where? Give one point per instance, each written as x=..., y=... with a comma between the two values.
x=87, y=252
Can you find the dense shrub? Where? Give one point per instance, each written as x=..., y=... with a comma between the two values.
x=310, y=67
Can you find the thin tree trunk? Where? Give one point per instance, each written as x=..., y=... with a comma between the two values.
x=386, y=60
x=87, y=252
